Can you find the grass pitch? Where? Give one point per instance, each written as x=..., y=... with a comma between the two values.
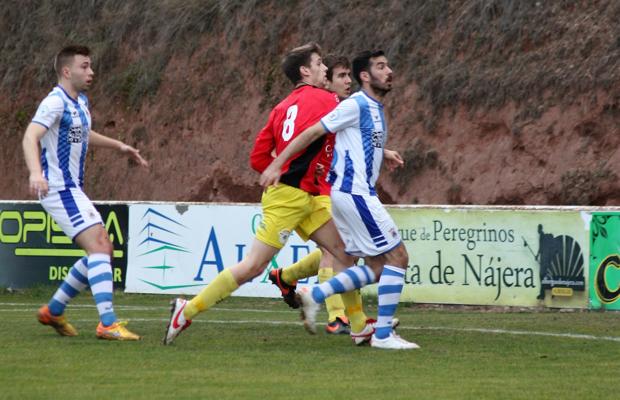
x=257, y=349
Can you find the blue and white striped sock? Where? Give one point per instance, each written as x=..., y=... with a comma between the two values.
x=75, y=281
x=100, y=279
x=390, y=286
x=352, y=278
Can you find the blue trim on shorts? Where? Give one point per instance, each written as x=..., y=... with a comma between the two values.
x=388, y=250
x=76, y=235
x=370, y=223
x=68, y=202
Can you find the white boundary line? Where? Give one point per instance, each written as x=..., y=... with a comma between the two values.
x=263, y=322
x=165, y=307
x=400, y=328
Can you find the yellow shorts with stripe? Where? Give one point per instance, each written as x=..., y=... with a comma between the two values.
x=287, y=209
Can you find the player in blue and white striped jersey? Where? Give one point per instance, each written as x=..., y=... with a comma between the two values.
x=363, y=223
x=358, y=155
x=62, y=129
x=63, y=147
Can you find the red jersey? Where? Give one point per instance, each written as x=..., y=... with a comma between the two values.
x=301, y=109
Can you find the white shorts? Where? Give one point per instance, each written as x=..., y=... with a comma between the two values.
x=364, y=224
x=71, y=210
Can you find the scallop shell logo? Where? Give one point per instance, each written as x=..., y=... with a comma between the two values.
x=561, y=263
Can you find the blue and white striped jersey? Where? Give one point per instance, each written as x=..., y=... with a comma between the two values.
x=64, y=145
x=361, y=132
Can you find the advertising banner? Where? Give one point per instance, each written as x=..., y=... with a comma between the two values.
x=495, y=257
x=457, y=256
x=34, y=250
x=605, y=261
x=179, y=249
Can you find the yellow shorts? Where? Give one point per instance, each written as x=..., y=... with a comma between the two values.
x=287, y=209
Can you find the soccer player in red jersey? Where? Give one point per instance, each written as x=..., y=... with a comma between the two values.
x=291, y=205
x=320, y=261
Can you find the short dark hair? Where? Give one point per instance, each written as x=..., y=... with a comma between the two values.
x=65, y=56
x=361, y=63
x=332, y=61
x=297, y=58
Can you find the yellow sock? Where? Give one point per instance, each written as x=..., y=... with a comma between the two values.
x=304, y=268
x=333, y=304
x=353, y=307
x=221, y=287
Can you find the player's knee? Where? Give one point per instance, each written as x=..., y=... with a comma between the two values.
x=104, y=245
x=404, y=259
x=400, y=256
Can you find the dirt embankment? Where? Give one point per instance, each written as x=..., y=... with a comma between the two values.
x=496, y=102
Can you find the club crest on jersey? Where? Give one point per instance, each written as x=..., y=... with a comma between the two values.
x=377, y=139
x=75, y=134
x=284, y=235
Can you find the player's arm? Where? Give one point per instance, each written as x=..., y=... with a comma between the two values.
x=37, y=184
x=271, y=175
x=392, y=159
x=99, y=140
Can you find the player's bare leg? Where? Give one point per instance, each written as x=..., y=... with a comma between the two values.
x=226, y=282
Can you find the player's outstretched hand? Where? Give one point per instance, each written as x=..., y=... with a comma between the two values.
x=270, y=176
x=38, y=185
x=134, y=154
x=392, y=159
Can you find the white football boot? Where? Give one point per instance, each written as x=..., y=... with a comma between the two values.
x=309, y=308
x=359, y=338
x=177, y=323
x=392, y=342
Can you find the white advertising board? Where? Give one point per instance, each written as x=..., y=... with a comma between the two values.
x=179, y=249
